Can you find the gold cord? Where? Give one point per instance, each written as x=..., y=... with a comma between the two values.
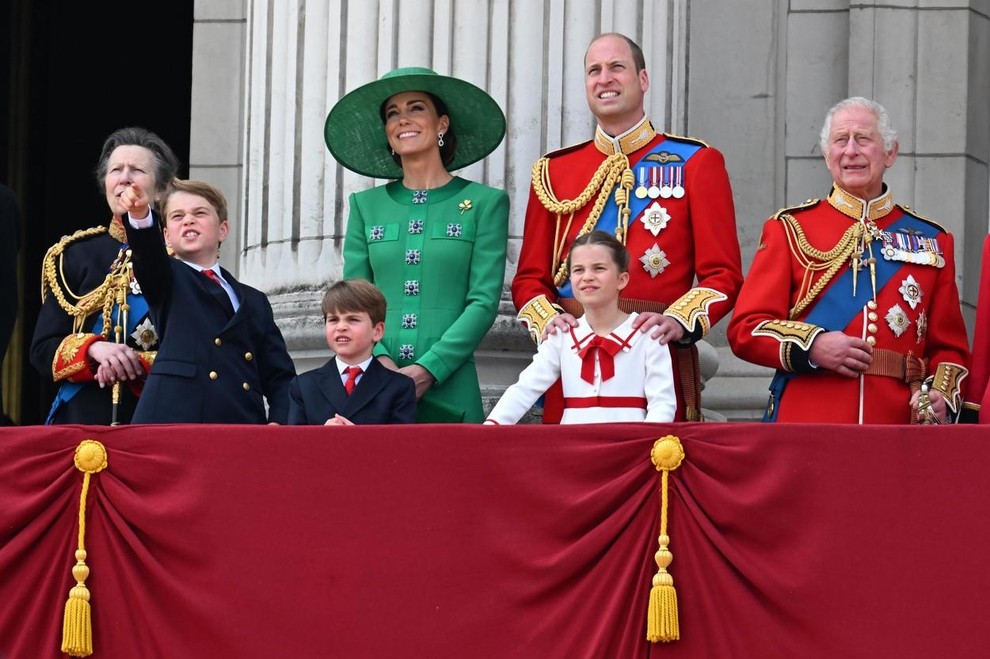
x=614, y=169
x=814, y=259
x=102, y=298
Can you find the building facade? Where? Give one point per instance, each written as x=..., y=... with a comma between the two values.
x=753, y=79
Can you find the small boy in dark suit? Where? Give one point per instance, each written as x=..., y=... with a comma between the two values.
x=353, y=387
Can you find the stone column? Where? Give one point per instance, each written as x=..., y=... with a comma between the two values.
x=302, y=57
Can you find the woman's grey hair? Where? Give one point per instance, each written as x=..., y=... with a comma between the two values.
x=166, y=164
x=887, y=132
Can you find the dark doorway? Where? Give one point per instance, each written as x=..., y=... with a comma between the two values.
x=78, y=71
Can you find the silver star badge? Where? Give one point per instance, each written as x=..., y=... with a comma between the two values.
x=654, y=260
x=655, y=218
x=897, y=320
x=145, y=335
x=911, y=290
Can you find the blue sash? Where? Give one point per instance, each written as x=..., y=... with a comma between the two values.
x=609, y=218
x=835, y=308
x=67, y=390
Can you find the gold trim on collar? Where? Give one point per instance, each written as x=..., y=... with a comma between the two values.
x=632, y=140
x=852, y=206
x=117, y=229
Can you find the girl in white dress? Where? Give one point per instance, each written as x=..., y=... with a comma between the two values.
x=609, y=371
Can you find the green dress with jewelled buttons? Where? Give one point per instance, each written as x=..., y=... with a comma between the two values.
x=439, y=258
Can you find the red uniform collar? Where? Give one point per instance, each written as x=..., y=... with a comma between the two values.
x=628, y=142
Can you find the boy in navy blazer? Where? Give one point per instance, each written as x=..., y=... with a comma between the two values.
x=220, y=355
x=353, y=387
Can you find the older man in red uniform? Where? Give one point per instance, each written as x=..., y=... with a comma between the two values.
x=667, y=198
x=853, y=298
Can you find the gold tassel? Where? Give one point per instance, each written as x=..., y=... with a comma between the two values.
x=662, y=623
x=77, y=625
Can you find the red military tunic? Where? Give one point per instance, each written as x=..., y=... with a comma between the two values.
x=801, y=284
x=684, y=253
x=977, y=399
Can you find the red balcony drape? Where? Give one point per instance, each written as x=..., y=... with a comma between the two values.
x=525, y=541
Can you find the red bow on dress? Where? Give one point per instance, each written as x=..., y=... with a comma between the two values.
x=605, y=348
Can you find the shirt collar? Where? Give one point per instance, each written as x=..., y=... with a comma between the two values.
x=342, y=367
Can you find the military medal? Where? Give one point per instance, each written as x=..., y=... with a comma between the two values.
x=665, y=188
x=655, y=218
x=654, y=191
x=910, y=290
x=922, y=327
x=641, y=188
x=678, y=190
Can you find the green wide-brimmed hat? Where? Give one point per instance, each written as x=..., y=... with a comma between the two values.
x=355, y=134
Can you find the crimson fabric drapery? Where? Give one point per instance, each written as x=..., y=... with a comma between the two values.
x=474, y=541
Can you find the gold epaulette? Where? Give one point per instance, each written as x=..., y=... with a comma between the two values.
x=49, y=271
x=692, y=308
x=537, y=314
x=786, y=211
x=927, y=220
x=685, y=138
x=112, y=290
x=948, y=381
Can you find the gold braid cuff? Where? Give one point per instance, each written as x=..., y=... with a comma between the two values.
x=692, y=308
x=789, y=331
x=537, y=314
x=948, y=382
x=71, y=361
x=613, y=171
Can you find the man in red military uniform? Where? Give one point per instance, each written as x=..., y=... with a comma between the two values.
x=976, y=404
x=853, y=298
x=667, y=198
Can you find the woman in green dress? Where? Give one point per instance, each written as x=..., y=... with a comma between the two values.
x=434, y=243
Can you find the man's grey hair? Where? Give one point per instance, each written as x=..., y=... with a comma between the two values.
x=887, y=132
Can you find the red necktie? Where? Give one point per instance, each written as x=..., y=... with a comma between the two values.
x=213, y=277
x=605, y=348
x=352, y=374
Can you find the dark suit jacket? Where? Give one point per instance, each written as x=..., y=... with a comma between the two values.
x=211, y=367
x=381, y=396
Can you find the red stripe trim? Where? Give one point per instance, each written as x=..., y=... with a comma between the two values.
x=606, y=401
